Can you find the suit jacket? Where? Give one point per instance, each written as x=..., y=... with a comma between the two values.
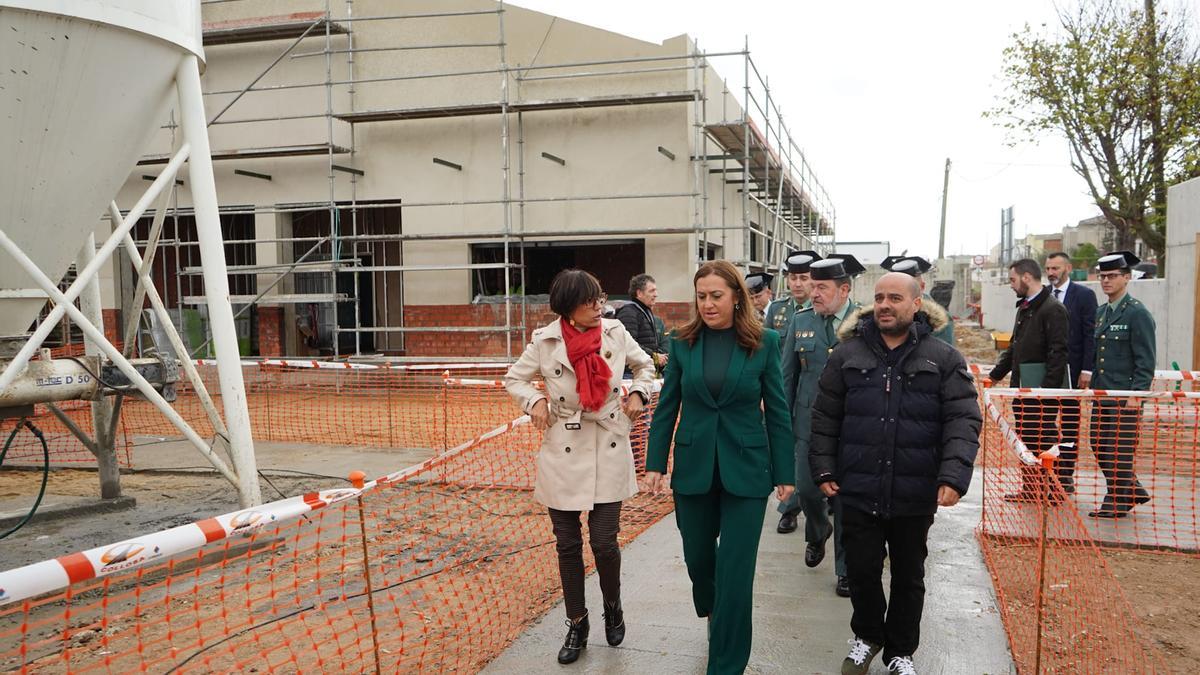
x=1126, y=354
x=1039, y=336
x=746, y=431
x=1081, y=342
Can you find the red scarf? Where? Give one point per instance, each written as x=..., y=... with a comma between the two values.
x=591, y=371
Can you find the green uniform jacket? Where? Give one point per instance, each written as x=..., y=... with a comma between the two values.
x=1124, y=346
x=945, y=334
x=779, y=315
x=805, y=352
x=744, y=434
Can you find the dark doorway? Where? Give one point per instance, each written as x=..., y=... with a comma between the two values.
x=613, y=262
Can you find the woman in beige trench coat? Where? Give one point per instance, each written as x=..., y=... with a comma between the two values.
x=585, y=462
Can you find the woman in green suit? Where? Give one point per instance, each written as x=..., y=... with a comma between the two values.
x=724, y=386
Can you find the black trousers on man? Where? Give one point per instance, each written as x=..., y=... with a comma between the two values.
x=1114, y=439
x=867, y=540
x=1069, y=445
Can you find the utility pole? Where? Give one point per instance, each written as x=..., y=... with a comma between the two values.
x=945, y=192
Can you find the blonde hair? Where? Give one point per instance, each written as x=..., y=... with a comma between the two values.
x=747, y=325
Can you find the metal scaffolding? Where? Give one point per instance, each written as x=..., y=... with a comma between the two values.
x=750, y=147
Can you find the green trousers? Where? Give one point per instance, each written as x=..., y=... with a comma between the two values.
x=720, y=534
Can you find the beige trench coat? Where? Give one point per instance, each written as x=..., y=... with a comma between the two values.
x=585, y=457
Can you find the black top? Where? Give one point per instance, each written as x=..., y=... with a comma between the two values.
x=718, y=349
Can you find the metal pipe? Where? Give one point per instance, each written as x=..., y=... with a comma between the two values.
x=363, y=50
x=505, y=170
x=167, y=177
x=181, y=350
x=550, y=66
x=602, y=73
x=39, y=277
x=267, y=70
x=216, y=283
x=104, y=448
x=139, y=294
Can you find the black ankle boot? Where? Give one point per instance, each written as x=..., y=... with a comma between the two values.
x=577, y=635
x=614, y=623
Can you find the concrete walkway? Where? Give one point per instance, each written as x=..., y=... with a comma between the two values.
x=800, y=626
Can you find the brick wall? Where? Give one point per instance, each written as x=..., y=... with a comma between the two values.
x=452, y=343
x=270, y=331
x=113, y=328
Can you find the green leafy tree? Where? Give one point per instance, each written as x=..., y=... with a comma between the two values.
x=1121, y=83
x=1085, y=256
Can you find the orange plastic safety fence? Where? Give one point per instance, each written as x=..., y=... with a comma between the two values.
x=433, y=569
x=1130, y=483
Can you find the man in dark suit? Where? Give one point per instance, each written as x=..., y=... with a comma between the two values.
x=1081, y=305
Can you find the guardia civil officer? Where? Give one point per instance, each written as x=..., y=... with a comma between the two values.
x=810, y=338
x=759, y=285
x=779, y=314
x=916, y=267
x=1124, y=361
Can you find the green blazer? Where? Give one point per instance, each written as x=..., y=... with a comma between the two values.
x=747, y=430
x=1125, y=346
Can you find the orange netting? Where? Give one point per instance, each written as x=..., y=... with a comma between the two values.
x=1129, y=484
x=452, y=552
x=296, y=401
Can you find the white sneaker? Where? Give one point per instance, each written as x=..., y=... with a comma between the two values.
x=902, y=665
x=858, y=661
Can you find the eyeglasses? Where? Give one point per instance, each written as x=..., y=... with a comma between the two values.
x=1105, y=276
x=597, y=302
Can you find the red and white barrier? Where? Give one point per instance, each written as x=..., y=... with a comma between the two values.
x=51, y=575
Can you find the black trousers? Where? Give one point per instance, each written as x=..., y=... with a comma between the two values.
x=1071, y=417
x=604, y=523
x=867, y=540
x=1114, y=438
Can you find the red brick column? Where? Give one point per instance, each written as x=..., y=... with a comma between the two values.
x=112, y=326
x=270, y=331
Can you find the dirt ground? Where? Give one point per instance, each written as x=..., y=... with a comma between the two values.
x=975, y=343
x=164, y=500
x=1164, y=590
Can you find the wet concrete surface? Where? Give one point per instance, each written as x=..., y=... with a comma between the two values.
x=800, y=625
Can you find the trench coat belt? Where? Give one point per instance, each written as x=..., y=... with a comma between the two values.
x=573, y=419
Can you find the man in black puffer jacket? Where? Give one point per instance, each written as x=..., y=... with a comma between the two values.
x=895, y=431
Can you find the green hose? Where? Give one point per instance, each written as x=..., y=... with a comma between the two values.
x=45, y=469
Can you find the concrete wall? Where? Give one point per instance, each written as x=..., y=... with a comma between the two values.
x=607, y=151
x=1183, y=226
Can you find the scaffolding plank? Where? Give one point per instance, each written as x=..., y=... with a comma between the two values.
x=259, y=153
x=495, y=108
x=259, y=29
x=282, y=299
x=763, y=164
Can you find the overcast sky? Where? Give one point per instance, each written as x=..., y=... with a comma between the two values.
x=878, y=94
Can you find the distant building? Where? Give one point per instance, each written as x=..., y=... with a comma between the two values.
x=867, y=252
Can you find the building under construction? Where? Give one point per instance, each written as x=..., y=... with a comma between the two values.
x=405, y=177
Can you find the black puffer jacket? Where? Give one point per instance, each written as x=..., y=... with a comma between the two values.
x=639, y=322
x=890, y=436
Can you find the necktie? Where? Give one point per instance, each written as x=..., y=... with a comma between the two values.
x=1058, y=294
x=829, y=334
